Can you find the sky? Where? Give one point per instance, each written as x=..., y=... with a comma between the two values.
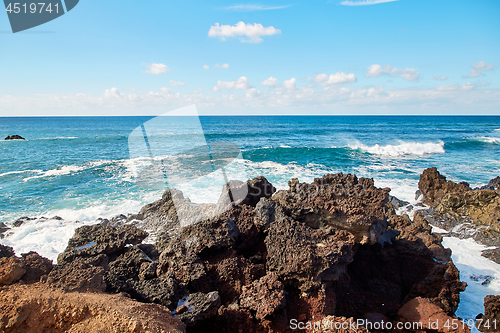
x=349, y=57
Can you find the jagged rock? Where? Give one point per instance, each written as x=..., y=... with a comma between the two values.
x=3, y=229
x=340, y=202
x=460, y=210
x=14, y=137
x=493, y=184
x=490, y=321
x=20, y=221
x=264, y=296
x=36, y=267
x=11, y=270
x=244, y=193
x=180, y=263
x=305, y=256
x=228, y=272
x=78, y=276
x=201, y=306
x=97, y=239
x=434, y=186
x=397, y=203
x=37, y=308
x=214, y=234
x=431, y=316
x=6, y=251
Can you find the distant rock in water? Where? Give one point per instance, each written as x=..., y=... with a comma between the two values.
x=14, y=137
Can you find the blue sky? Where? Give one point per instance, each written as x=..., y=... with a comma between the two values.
x=321, y=57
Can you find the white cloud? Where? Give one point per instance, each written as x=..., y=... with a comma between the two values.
x=478, y=68
x=252, y=32
x=156, y=69
x=337, y=78
x=177, y=83
x=206, y=67
x=455, y=87
x=271, y=81
x=253, y=7
x=289, y=84
x=364, y=2
x=222, y=66
x=242, y=83
x=409, y=74
x=439, y=78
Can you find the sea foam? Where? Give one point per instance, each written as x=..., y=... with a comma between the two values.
x=402, y=149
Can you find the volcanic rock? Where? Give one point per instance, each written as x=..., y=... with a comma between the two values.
x=97, y=239
x=264, y=296
x=36, y=266
x=14, y=137
x=3, y=229
x=6, y=251
x=338, y=202
x=200, y=307
x=460, y=210
x=490, y=321
x=11, y=270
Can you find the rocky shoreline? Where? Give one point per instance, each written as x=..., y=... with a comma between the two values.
x=333, y=249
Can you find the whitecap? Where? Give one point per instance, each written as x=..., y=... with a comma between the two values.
x=402, y=149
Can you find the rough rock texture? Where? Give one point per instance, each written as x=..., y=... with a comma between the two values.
x=36, y=266
x=36, y=308
x=264, y=296
x=6, y=251
x=332, y=324
x=3, y=229
x=78, y=276
x=200, y=307
x=431, y=316
x=11, y=270
x=463, y=211
x=330, y=248
x=338, y=202
x=90, y=241
x=14, y=137
x=490, y=321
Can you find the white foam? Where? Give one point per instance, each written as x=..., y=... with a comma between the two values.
x=402, y=149
x=19, y=172
x=65, y=170
x=466, y=255
x=59, y=138
x=488, y=139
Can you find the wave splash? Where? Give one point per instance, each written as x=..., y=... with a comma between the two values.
x=402, y=149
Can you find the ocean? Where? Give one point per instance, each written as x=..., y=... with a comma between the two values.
x=83, y=168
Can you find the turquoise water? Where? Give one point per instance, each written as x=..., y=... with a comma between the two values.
x=79, y=167
x=84, y=168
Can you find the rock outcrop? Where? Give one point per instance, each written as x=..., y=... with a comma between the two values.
x=14, y=137
x=490, y=321
x=330, y=249
x=37, y=308
x=464, y=212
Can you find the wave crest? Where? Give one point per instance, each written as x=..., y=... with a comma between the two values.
x=402, y=149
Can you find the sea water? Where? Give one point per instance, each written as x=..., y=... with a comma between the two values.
x=80, y=168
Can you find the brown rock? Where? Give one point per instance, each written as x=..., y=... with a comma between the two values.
x=36, y=267
x=341, y=202
x=434, y=187
x=36, y=308
x=93, y=240
x=77, y=276
x=11, y=270
x=431, y=316
x=307, y=257
x=264, y=296
x=490, y=321
x=6, y=251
